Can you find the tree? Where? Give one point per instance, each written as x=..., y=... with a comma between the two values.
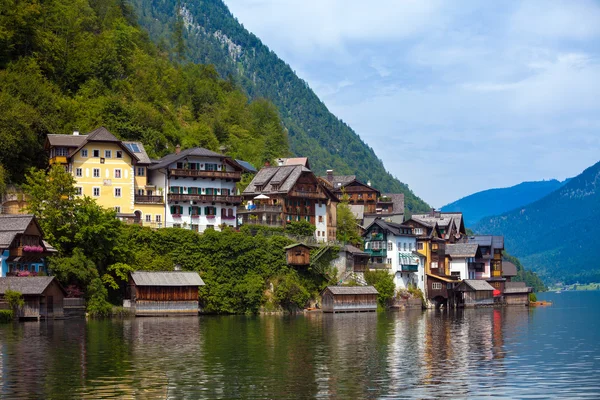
x=2, y=180
x=384, y=283
x=14, y=299
x=300, y=228
x=347, y=228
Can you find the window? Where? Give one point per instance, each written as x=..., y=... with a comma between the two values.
x=84, y=153
x=148, y=218
x=320, y=218
x=96, y=172
x=119, y=153
x=436, y=286
x=434, y=264
x=390, y=246
x=107, y=154
x=389, y=261
x=434, y=246
x=496, y=285
x=418, y=231
x=157, y=218
x=141, y=171
x=323, y=233
x=420, y=246
x=140, y=192
x=62, y=151
x=318, y=233
x=96, y=192
x=117, y=192
x=78, y=172
x=117, y=173
x=96, y=153
x=117, y=209
x=78, y=190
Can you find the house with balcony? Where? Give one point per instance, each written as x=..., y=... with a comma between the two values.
x=450, y=225
x=389, y=207
x=463, y=259
x=393, y=247
x=358, y=193
x=199, y=187
x=110, y=171
x=290, y=193
x=488, y=265
x=23, y=250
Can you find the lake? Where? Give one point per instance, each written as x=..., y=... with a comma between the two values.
x=506, y=353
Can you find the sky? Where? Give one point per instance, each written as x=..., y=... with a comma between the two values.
x=454, y=97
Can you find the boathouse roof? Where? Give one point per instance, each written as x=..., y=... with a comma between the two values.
x=352, y=290
x=166, y=278
x=26, y=285
x=474, y=284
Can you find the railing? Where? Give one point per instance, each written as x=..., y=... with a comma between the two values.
x=379, y=266
x=376, y=253
x=410, y=268
x=142, y=199
x=262, y=208
x=377, y=236
x=308, y=195
x=496, y=274
x=205, y=198
x=234, y=175
x=263, y=223
x=58, y=160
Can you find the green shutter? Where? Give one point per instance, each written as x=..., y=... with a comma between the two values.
x=172, y=209
x=190, y=210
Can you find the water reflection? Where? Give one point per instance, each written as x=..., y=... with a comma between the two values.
x=464, y=353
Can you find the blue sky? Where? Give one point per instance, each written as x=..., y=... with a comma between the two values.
x=454, y=97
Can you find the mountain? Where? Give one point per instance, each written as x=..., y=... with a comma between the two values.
x=556, y=235
x=498, y=201
x=206, y=32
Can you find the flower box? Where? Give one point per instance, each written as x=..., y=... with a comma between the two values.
x=176, y=215
x=210, y=216
x=228, y=217
x=33, y=249
x=195, y=216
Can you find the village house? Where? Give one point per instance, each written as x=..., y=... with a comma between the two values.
x=112, y=172
x=290, y=193
x=488, y=266
x=22, y=248
x=351, y=264
x=151, y=293
x=43, y=296
x=462, y=257
x=200, y=187
x=389, y=207
x=298, y=254
x=358, y=192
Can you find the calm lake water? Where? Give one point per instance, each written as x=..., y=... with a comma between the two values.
x=510, y=353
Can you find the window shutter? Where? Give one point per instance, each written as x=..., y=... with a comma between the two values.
x=172, y=209
x=206, y=210
x=190, y=210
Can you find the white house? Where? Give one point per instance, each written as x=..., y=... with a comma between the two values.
x=199, y=187
x=462, y=259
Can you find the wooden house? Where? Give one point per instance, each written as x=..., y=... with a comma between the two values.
x=474, y=293
x=43, y=296
x=298, y=254
x=358, y=192
x=516, y=293
x=336, y=299
x=163, y=293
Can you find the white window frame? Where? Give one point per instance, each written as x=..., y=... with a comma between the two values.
x=79, y=172
x=148, y=218
x=390, y=246
x=120, y=192
x=158, y=218
x=107, y=153
x=94, y=173
x=84, y=153
x=120, y=173
x=118, y=209
x=434, y=264
x=94, y=191
x=436, y=286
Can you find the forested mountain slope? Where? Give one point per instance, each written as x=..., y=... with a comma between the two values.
x=555, y=236
x=498, y=201
x=82, y=64
x=206, y=32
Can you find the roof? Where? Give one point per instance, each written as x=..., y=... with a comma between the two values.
x=27, y=285
x=141, y=155
x=498, y=242
x=397, y=201
x=15, y=222
x=462, y=249
x=358, y=210
x=101, y=135
x=508, y=268
x=291, y=246
x=193, y=152
x=354, y=250
x=352, y=289
x=166, y=278
x=516, y=287
x=339, y=181
x=284, y=177
x=477, y=285
x=392, y=227
x=246, y=166
x=66, y=140
x=294, y=161
x=482, y=240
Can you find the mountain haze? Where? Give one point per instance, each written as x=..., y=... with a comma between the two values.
x=498, y=201
x=206, y=32
x=555, y=236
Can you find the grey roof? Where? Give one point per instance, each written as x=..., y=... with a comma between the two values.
x=193, y=152
x=294, y=161
x=352, y=289
x=477, y=284
x=142, y=156
x=170, y=278
x=397, y=201
x=482, y=240
x=392, y=227
x=358, y=210
x=508, y=268
x=247, y=166
x=66, y=140
x=27, y=285
x=285, y=177
x=442, y=219
x=101, y=135
x=6, y=238
x=15, y=222
x=354, y=250
x=339, y=181
x=291, y=246
x=498, y=242
x=461, y=250
x=516, y=287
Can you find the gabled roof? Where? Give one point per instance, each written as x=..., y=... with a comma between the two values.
x=27, y=285
x=15, y=222
x=141, y=155
x=516, y=287
x=390, y=227
x=354, y=250
x=352, y=289
x=284, y=177
x=508, y=268
x=170, y=278
x=291, y=246
x=193, y=152
x=460, y=250
x=101, y=135
x=397, y=201
x=482, y=240
x=498, y=242
x=475, y=284
x=65, y=140
x=339, y=181
x=247, y=166
x=294, y=161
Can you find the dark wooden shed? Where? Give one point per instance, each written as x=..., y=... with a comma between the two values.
x=163, y=293
x=474, y=293
x=516, y=293
x=43, y=296
x=337, y=299
x=297, y=254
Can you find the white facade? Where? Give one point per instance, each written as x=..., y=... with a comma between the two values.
x=321, y=222
x=460, y=266
x=400, y=253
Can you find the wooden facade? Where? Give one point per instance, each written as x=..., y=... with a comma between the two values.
x=474, y=293
x=336, y=299
x=298, y=254
x=516, y=294
x=43, y=296
x=163, y=293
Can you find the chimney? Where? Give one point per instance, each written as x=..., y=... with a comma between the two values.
x=330, y=175
x=76, y=132
x=267, y=164
x=177, y=149
x=368, y=183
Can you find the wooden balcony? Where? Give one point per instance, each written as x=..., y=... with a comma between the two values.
x=58, y=160
x=376, y=252
x=196, y=173
x=307, y=195
x=262, y=209
x=141, y=199
x=206, y=198
x=496, y=274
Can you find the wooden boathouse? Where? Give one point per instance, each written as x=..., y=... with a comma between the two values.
x=474, y=293
x=163, y=293
x=337, y=299
x=516, y=294
x=43, y=296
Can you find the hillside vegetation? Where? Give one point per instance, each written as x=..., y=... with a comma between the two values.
x=82, y=64
x=498, y=201
x=205, y=32
x=554, y=236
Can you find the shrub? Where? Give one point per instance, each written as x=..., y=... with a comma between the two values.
x=290, y=292
x=384, y=283
x=97, y=304
x=532, y=297
x=6, y=315
x=14, y=299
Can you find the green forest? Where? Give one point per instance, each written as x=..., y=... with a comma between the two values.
x=206, y=32
x=82, y=64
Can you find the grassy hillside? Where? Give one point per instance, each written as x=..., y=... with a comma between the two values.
x=555, y=235
x=82, y=64
x=206, y=32
x=498, y=201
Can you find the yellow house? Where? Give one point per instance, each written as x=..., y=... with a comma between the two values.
x=112, y=172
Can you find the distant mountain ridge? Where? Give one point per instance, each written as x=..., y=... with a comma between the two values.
x=492, y=202
x=556, y=235
x=207, y=33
